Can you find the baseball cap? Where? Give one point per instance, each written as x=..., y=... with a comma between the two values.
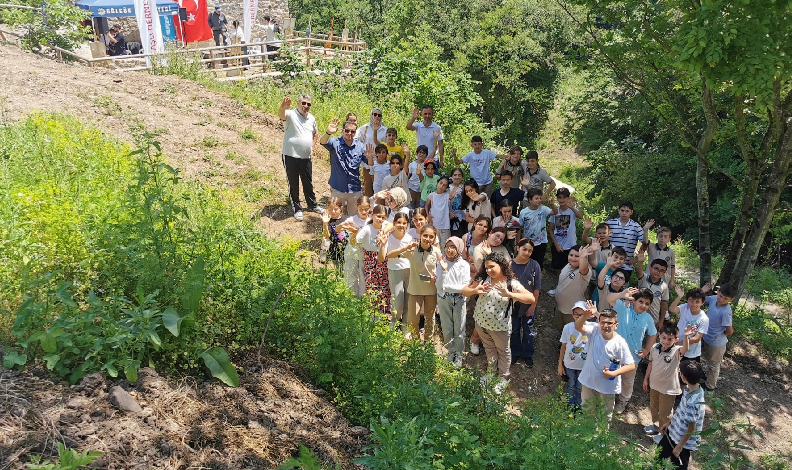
x=217, y=7
x=580, y=304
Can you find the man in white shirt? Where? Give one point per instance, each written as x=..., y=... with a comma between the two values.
x=300, y=135
x=425, y=133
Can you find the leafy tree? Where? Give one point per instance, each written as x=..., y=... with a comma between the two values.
x=716, y=72
x=57, y=24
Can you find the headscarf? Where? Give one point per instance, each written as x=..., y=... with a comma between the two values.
x=371, y=115
x=459, y=247
x=399, y=196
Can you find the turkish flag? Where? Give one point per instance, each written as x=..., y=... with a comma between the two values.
x=196, y=28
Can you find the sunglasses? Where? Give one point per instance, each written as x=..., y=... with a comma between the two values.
x=349, y=131
x=376, y=114
x=305, y=103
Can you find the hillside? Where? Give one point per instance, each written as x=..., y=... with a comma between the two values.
x=203, y=134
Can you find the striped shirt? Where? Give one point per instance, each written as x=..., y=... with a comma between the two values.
x=690, y=410
x=625, y=236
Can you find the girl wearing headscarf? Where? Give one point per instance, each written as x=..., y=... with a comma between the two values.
x=396, y=200
x=373, y=132
x=452, y=274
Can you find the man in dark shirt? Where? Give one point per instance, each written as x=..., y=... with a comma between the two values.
x=219, y=25
x=117, y=42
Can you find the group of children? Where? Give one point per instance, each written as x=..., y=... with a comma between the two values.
x=424, y=243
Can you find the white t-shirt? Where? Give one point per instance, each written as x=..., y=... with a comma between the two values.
x=480, y=165
x=379, y=171
x=425, y=136
x=687, y=318
x=365, y=134
x=564, y=231
x=367, y=237
x=575, y=355
x=394, y=244
x=414, y=183
x=534, y=223
x=599, y=353
x=298, y=133
x=439, y=210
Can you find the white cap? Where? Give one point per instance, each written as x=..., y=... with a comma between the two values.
x=580, y=304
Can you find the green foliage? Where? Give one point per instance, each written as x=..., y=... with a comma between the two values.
x=69, y=459
x=723, y=443
x=56, y=25
x=306, y=461
x=178, y=273
x=180, y=63
x=772, y=332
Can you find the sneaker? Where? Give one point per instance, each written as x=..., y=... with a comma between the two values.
x=475, y=349
x=484, y=381
x=657, y=438
x=551, y=293
x=620, y=406
x=651, y=430
x=514, y=359
x=500, y=386
x=529, y=362
x=458, y=361
x=318, y=209
x=298, y=215
x=707, y=388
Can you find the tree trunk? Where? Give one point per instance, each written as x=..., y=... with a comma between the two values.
x=776, y=182
x=702, y=184
x=753, y=172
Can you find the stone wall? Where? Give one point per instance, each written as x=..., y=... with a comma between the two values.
x=276, y=9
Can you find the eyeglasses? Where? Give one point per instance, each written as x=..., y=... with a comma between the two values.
x=349, y=131
x=607, y=323
x=305, y=103
x=394, y=163
x=617, y=277
x=376, y=114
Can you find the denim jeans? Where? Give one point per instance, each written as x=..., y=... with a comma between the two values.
x=522, y=346
x=572, y=387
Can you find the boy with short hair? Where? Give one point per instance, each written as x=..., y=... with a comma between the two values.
x=656, y=283
x=381, y=167
x=414, y=180
x=661, y=250
x=506, y=192
x=535, y=176
x=691, y=314
x=602, y=234
x=608, y=357
x=662, y=376
x=683, y=435
x=394, y=148
x=612, y=263
x=626, y=232
x=515, y=165
x=533, y=219
x=713, y=348
x=563, y=230
x=638, y=329
x=572, y=355
x=572, y=283
x=397, y=177
x=479, y=161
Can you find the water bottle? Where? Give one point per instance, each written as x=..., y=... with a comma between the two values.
x=613, y=366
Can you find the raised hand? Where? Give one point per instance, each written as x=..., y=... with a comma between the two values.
x=641, y=256
x=629, y=293
x=679, y=291
x=706, y=287
x=453, y=152
x=332, y=128
x=591, y=307
x=286, y=103
x=326, y=217
x=611, y=260
x=415, y=112
x=593, y=247
x=369, y=152
x=649, y=224
x=405, y=149
x=690, y=330
x=587, y=223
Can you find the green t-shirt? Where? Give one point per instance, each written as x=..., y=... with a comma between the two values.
x=428, y=186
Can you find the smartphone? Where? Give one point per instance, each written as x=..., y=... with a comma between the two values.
x=425, y=277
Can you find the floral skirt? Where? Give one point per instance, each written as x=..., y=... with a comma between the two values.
x=377, y=280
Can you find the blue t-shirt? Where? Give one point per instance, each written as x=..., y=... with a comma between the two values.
x=480, y=166
x=345, y=163
x=595, y=295
x=719, y=319
x=633, y=327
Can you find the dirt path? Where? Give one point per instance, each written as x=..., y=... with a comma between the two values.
x=203, y=135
